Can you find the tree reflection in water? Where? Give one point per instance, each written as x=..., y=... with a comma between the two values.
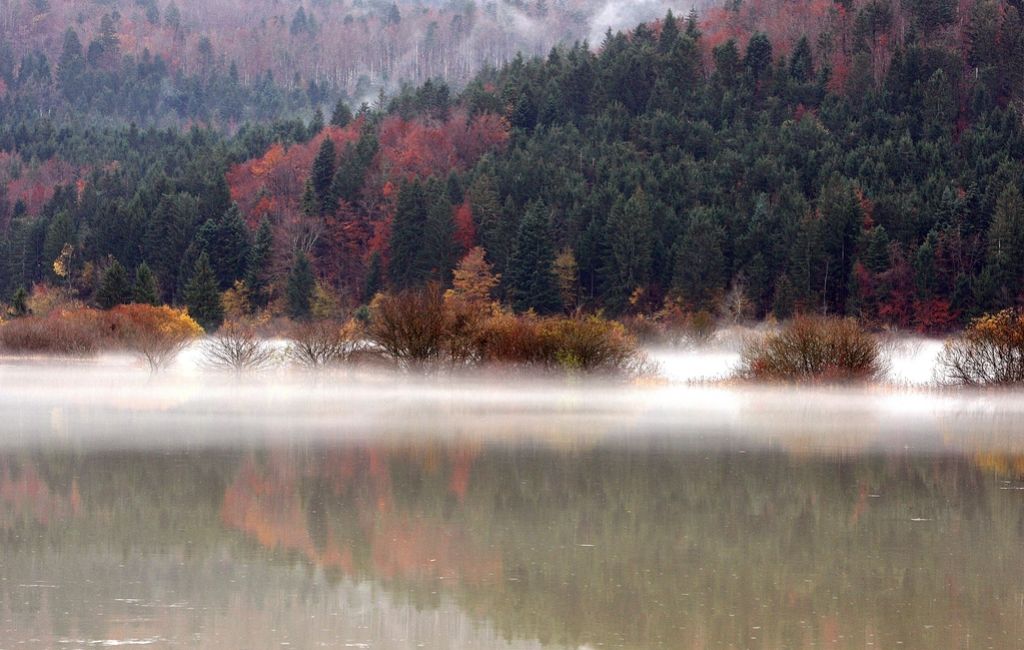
x=460, y=545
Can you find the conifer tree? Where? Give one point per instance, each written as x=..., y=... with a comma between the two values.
x=257, y=275
x=532, y=283
x=202, y=296
x=342, y=114
x=115, y=287
x=629, y=235
x=322, y=175
x=374, y=277
x=299, y=291
x=407, y=266
x=145, y=291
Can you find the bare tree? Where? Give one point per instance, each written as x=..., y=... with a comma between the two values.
x=236, y=346
x=989, y=352
x=324, y=343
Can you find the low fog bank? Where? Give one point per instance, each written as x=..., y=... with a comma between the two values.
x=114, y=402
x=910, y=361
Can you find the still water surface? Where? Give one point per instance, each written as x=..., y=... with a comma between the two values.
x=360, y=513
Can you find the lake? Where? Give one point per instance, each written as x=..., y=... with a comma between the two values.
x=364, y=511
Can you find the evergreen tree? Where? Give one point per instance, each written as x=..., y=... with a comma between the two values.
x=229, y=248
x=531, y=278
x=19, y=303
x=630, y=240
x=321, y=177
x=374, y=281
x=801, y=65
x=342, y=114
x=257, y=275
x=202, y=296
x=145, y=291
x=700, y=267
x=440, y=249
x=115, y=287
x=1006, y=246
x=299, y=291
x=408, y=266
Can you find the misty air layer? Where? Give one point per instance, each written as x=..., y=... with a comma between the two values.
x=511, y=324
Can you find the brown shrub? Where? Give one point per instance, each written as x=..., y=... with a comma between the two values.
x=323, y=343
x=77, y=333
x=510, y=339
x=590, y=344
x=411, y=326
x=989, y=352
x=157, y=334
x=814, y=349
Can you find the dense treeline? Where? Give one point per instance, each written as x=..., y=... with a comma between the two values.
x=656, y=171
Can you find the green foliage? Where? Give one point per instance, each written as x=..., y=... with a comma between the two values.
x=299, y=290
x=531, y=278
x=115, y=287
x=144, y=291
x=202, y=296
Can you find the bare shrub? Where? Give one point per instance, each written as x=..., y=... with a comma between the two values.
x=157, y=334
x=236, y=346
x=323, y=343
x=411, y=326
x=814, y=349
x=989, y=352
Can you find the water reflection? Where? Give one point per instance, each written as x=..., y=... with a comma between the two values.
x=486, y=544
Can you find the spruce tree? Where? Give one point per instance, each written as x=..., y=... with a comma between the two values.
x=1006, y=246
x=630, y=239
x=145, y=291
x=257, y=275
x=202, y=296
x=342, y=114
x=374, y=280
x=299, y=291
x=439, y=247
x=407, y=266
x=115, y=287
x=532, y=283
x=322, y=175
x=229, y=247
x=700, y=269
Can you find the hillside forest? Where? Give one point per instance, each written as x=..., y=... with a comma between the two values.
x=751, y=160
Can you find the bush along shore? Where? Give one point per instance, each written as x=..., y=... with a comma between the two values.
x=429, y=329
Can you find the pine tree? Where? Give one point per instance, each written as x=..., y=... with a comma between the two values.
x=1006, y=246
x=374, y=277
x=669, y=33
x=439, y=247
x=532, y=283
x=229, y=248
x=629, y=235
x=322, y=175
x=801, y=65
x=202, y=296
x=299, y=291
x=145, y=292
x=407, y=266
x=342, y=114
x=115, y=287
x=316, y=125
x=19, y=303
x=700, y=263
x=257, y=275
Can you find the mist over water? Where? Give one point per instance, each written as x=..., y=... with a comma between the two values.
x=364, y=509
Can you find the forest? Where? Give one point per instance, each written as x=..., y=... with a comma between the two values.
x=863, y=160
